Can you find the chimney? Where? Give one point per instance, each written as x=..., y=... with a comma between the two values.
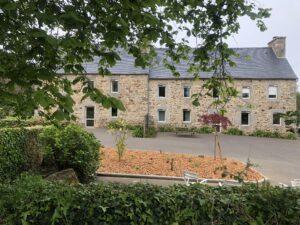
x=278, y=46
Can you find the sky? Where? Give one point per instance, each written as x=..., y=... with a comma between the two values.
x=284, y=21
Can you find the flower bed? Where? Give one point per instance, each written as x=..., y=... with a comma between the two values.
x=172, y=164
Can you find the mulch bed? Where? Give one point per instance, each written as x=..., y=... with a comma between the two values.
x=172, y=164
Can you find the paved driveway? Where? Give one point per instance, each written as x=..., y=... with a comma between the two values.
x=277, y=159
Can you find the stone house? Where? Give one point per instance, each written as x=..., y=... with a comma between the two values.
x=263, y=76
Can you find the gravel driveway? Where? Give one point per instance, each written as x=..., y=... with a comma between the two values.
x=277, y=159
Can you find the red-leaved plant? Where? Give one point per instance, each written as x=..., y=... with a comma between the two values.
x=215, y=120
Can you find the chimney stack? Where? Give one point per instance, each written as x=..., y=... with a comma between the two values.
x=278, y=46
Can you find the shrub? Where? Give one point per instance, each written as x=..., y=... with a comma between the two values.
x=291, y=136
x=71, y=147
x=19, y=152
x=138, y=131
x=166, y=129
x=11, y=122
x=234, y=131
x=270, y=134
x=34, y=201
x=205, y=130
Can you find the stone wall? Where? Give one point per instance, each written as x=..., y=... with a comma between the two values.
x=132, y=93
x=261, y=108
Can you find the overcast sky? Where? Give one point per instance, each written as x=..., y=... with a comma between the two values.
x=284, y=21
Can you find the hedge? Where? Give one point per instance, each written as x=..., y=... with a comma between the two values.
x=34, y=201
x=11, y=122
x=19, y=151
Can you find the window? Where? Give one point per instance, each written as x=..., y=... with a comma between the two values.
x=114, y=86
x=246, y=92
x=272, y=92
x=90, y=114
x=161, y=91
x=161, y=115
x=276, y=118
x=186, y=115
x=91, y=84
x=215, y=93
x=186, y=92
x=245, y=118
x=114, y=112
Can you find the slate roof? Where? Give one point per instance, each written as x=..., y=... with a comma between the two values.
x=252, y=63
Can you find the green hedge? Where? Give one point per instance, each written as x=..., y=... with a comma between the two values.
x=33, y=201
x=71, y=147
x=11, y=122
x=270, y=134
x=234, y=131
x=19, y=151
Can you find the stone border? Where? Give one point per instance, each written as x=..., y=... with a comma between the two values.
x=171, y=178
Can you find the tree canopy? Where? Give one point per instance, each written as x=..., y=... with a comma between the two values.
x=40, y=37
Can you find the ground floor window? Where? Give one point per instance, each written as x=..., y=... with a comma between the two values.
x=161, y=115
x=276, y=119
x=245, y=118
x=186, y=115
x=114, y=112
x=90, y=116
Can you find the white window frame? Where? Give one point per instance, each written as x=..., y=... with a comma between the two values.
x=111, y=111
x=273, y=86
x=161, y=110
x=249, y=118
x=183, y=115
x=111, y=86
x=244, y=88
x=89, y=119
x=161, y=85
x=189, y=88
x=280, y=119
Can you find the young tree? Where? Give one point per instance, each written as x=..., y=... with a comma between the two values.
x=216, y=121
x=38, y=38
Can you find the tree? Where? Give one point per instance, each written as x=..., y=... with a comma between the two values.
x=216, y=121
x=38, y=38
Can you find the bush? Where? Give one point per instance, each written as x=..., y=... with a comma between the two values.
x=19, y=152
x=269, y=134
x=71, y=147
x=34, y=201
x=138, y=131
x=234, y=131
x=205, y=130
x=11, y=122
x=166, y=129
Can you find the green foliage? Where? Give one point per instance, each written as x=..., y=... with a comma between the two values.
x=34, y=201
x=71, y=147
x=298, y=101
x=40, y=38
x=120, y=130
x=234, y=131
x=15, y=122
x=166, y=129
x=270, y=134
x=19, y=152
x=138, y=131
x=205, y=130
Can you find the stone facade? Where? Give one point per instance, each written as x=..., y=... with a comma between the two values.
x=140, y=96
x=132, y=92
